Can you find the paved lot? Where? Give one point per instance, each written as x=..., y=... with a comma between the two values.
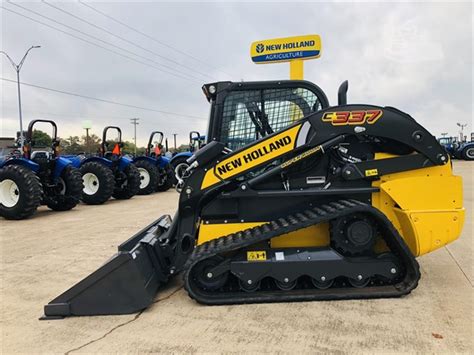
x=43, y=256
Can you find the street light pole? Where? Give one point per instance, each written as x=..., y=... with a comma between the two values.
x=134, y=121
x=17, y=68
x=174, y=136
x=461, y=132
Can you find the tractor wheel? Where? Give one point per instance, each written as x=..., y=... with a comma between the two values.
x=179, y=166
x=468, y=153
x=98, y=181
x=166, y=179
x=20, y=192
x=131, y=186
x=149, y=176
x=68, y=192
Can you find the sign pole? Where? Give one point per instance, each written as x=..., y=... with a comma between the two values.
x=296, y=69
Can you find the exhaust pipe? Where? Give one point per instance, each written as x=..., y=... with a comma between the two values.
x=126, y=283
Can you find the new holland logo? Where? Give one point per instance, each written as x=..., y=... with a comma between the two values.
x=286, y=49
x=253, y=155
x=246, y=159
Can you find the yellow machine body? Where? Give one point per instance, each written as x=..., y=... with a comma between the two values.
x=424, y=205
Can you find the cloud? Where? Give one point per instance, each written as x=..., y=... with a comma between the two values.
x=406, y=55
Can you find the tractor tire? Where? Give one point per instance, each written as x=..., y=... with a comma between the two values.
x=166, y=181
x=178, y=166
x=70, y=193
x=20, y=192
x=99, y=183
x=149, y=176
x=468, y=153
x=131, y=186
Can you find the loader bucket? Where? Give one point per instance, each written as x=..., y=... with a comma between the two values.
x=126, y=283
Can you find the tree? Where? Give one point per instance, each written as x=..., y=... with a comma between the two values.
x=41, y=139
x=72, y=145
x=129, y=148
x=93, y=145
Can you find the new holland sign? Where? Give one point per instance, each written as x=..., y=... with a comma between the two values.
x=286, y=49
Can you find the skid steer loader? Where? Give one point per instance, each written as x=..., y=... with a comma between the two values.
x=290, y=200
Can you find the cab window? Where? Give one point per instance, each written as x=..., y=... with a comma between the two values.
x=252, y=114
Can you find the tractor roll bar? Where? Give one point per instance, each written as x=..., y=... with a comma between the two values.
x=104, y=136
x=152, y=135
x=29, y=134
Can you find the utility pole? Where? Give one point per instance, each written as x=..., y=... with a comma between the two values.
x=461, y=132
x=134, y=122
x=17, y=68
x=87, y=125
x=87, y=140
x=174, y=137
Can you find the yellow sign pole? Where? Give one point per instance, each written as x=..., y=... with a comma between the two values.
x=296, y=69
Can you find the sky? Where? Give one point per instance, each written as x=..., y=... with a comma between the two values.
x=155, y=56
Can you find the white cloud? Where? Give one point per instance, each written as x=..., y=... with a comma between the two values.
x=416, y=57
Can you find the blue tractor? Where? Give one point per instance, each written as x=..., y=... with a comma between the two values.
x=31, y=178
x=179, y=162
x=109, y=173
x=155, y=171
x=458, y=150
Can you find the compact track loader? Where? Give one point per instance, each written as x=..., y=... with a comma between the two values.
x=290, y=200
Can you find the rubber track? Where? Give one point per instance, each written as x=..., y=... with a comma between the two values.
x=291, y=223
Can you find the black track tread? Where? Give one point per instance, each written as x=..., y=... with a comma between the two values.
x=291, y=223
x=154, y=173
x=106, y=181
x=73, y=179
x=133, y=184
x=31, y=192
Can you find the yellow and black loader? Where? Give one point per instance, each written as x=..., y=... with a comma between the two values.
x=291, y=199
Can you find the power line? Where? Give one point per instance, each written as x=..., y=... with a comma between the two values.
x=187, y=77
x=104, y=100
x=174, y=71
x=150, y=37
x=124, y=39
x=39, y=112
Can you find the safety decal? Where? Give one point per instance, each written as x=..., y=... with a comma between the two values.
x=256, y=256
x=371, y=172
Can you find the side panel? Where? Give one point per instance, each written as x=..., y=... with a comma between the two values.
x=61, y=163
x=23, y=162
x=163, y=162
x=75, y=160
x=425, y=205
x=124, y=162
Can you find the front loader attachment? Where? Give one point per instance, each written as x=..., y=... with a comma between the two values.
x=126, y=283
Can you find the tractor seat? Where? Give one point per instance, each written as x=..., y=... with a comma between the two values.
x=40, y=156
x=111, y=156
